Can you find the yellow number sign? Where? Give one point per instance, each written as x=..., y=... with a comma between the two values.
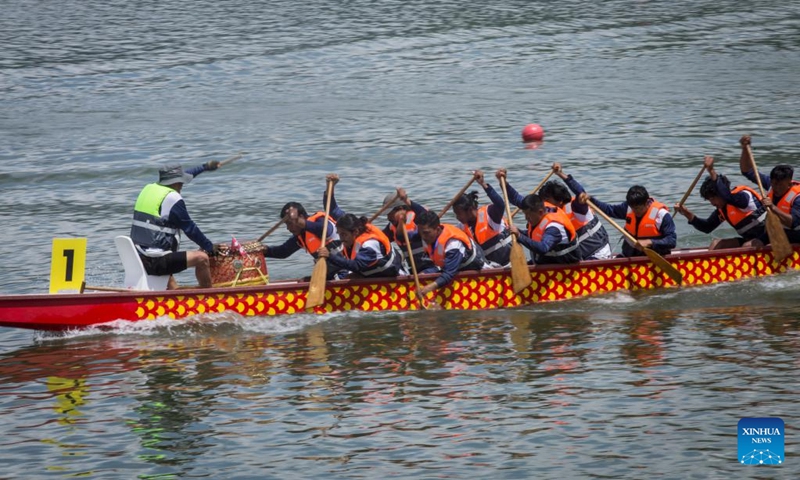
x=67, y=265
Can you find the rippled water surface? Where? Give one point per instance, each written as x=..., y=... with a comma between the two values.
x=95, y=96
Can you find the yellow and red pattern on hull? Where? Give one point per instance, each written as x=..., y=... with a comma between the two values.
x=488, y=289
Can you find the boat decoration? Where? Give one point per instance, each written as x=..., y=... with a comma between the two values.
x=487, y=289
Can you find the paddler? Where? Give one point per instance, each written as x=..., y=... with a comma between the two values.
x=402, y=206
x=550, y=237
x=367, y=251
x=741, y=207
x=646, y=219
x=449, y=248
x=592, y=235
x=160, y=214
x=783, y=193
x=485, y=224
x=306, y=235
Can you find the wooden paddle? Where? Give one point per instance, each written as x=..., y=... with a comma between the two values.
x=85, y=287
x=520, y=274
x=455, y=199
x=383, y=209
x=271, y=230
x=402, y=225
x=777, y=235
x=316, y=287
x=533, y=191
x=230, y=160
x=691, y=187
x=654, y=257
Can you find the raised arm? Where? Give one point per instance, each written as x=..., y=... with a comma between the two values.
x=336, y=212
x=417, y=208
x=206, y=167
x=575, y=187
x=316, y=227
x=746, y=165
x=514, y=197
x=619, y=210
x=498, y=207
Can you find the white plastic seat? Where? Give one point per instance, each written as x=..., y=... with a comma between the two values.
x=136, y=278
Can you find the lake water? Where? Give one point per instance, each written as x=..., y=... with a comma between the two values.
x=95, y=96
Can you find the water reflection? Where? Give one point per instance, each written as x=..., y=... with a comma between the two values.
x=354, y=388
x=549, y=346
x=69, y=395
x=171, y=407
x=410, y=358
x=647, y=333
x=70, y=361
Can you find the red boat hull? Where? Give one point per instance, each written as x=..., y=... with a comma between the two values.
x=489, y=289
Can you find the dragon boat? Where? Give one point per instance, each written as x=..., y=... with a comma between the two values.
x=487, y=289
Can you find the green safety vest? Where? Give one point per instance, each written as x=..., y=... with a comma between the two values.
x=149, y=229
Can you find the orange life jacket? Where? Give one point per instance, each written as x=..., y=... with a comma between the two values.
x=311, y=242
x=437, y=250
x=743, y=219
x=557, y=216
x=421, y=260
x=647, y=226
x=577, y=222
x=491, y=241
x=565, y=252
x=410, y=226
x=785, y=203
x=387, y=259
x=372, y=233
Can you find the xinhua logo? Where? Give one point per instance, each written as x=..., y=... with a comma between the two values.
x=761, y=441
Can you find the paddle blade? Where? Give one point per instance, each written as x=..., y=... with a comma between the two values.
x=665, y=266
x=434, y=306
x=520, y=274
x=316, y=288
x=777, y=237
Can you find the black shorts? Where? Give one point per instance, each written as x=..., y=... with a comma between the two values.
x=168, y=264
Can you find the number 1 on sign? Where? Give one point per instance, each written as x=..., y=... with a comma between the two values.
x=67, y=265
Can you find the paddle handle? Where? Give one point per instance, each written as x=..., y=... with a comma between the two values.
x=328, y=196
x=508, y=208
x=458, y=195
x=691, y=187
x=420, y=298
x=505, y=198
x=775, y=228
x=104, y=289
x=316, y=287
x=654, y=256
x=534, y=190
x=231, y=159
x=755, y=171
x=383, y=208
x=271, y=230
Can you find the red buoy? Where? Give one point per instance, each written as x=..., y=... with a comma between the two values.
x=532, y=132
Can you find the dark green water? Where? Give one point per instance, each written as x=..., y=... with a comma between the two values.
x=94, y=96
